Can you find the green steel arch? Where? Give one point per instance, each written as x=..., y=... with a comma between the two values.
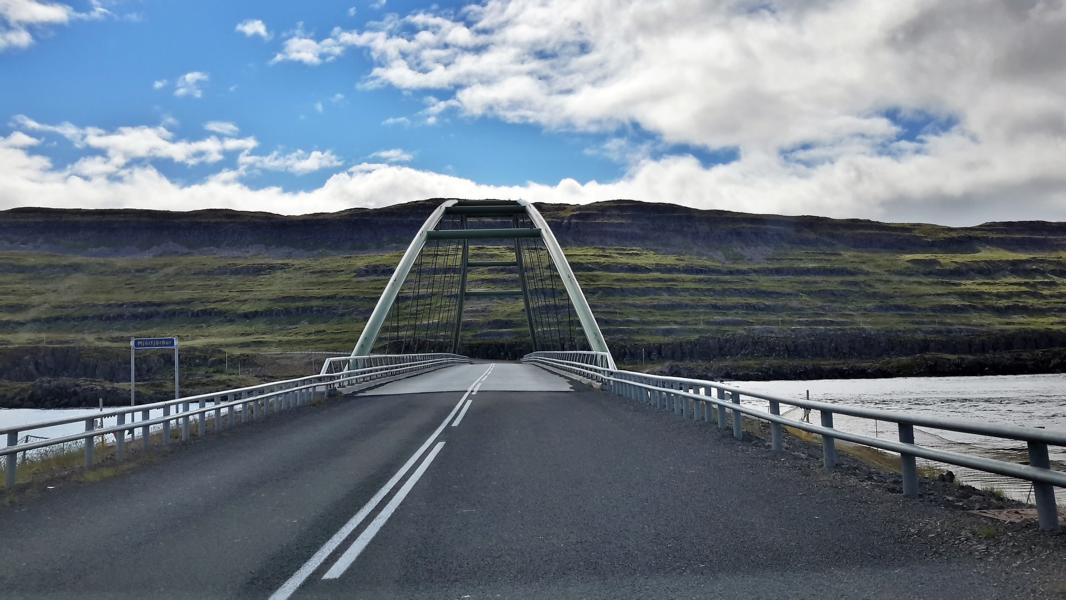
x=462, y=213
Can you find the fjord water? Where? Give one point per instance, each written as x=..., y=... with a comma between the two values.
x=1022, y=400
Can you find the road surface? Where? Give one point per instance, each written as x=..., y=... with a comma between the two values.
x=474, y=482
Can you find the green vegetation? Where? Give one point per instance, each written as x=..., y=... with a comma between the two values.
x=719, y=294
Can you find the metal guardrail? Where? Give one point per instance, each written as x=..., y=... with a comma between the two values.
x=229, y=408
x=340, y=364
x=694, y=398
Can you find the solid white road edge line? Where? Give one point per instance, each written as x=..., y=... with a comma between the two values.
x=301, y=575
x=323, y=553
x=368, y=534
x=462, y=413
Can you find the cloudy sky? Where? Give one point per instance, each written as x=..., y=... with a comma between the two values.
x=948, y=111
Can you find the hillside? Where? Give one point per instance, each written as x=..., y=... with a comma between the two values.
x=705, y=292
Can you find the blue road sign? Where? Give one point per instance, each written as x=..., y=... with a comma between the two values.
x=152, y=343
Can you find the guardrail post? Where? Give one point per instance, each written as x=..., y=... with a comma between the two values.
x=218, y=416
x=776, y=443
x=202, y=431
x=721, y=409
x=829, y=448
x=166, y=425
x=144, y=430
x=706, y=405
x=908, y=467
x=90, y=444
x=11, y=460
x=185, y=422
x=1046, y=509
x=738, y=417
x=120, y=437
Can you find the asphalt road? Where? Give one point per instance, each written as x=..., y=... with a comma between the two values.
x=571, y=494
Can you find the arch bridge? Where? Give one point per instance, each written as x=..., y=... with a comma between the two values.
x=408, y=470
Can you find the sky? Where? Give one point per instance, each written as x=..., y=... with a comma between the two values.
x=943, y=111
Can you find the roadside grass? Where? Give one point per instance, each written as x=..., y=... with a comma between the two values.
x=995, y=491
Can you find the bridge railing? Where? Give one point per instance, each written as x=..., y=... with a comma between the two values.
x=339, y=364
x=695, y=399
x=226, y=408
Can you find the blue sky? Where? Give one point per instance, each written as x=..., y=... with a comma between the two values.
x=113, y=64
x=851, y=109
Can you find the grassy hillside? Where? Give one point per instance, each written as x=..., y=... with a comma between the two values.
x=708, y=292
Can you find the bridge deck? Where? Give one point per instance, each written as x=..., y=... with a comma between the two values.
x=504, y=377
x=533, y=494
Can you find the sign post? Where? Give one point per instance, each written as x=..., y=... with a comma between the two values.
x=165, y=343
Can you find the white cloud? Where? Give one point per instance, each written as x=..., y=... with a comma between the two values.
x=319, y=108
x=190, y=84
x=298, y=162
x=17, y=139
x=254, y=27
x=222, y=128
x=124, y=145
x=815, y=98
x=378, y=4
x=393, y=155
x=34, y=12
x=301, y=47
x=352, y=11
x=14, y=38
x=159, y=84
x=19, y=17
x=754, y=183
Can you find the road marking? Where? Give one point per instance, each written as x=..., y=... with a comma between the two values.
x=301, y=575
x=481, y=380
x=462, y=413
x=368, y=534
